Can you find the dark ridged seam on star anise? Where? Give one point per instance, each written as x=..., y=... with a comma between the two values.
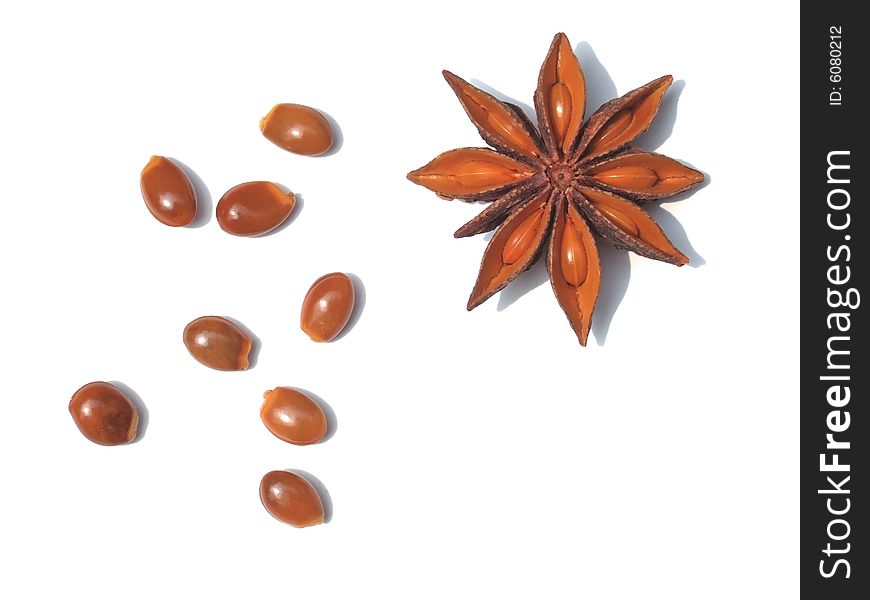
x=549, y=188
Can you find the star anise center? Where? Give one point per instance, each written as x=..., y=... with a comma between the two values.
x=561, y=175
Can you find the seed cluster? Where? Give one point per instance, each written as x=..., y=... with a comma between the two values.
x=106, y=415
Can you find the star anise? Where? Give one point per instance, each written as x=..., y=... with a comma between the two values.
x=559, y=182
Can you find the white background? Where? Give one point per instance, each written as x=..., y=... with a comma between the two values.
x=477, y=455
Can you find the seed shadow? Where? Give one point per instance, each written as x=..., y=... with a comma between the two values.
x=331, y=421
x=528, y=280
x=321, y=490
x=291, y=218
x=599, y=84
x=359, y=304
x=256, y=344
x=144, y=415
x=615, y=274
x=337, y=135
x=204, y=203
x=663, y=124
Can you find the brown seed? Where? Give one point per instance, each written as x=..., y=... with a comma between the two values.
x=292, y=416
x=327, y=307
x=297, y=128
x=291, y=499
x=629, y=178
x=559, y=97
x=104, y=414
x=575, y=263
x=622, y=220
x=168, y=192
x=518, y=244
x=254, y=208
x=218, y=343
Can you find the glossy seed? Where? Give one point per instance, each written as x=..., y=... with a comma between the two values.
x=574, y=261
x=104, y=414
x=506, y=125
x=560, y=109
x=486, y=174
x=292, y=416
x=632, y=178
x=218, y=343
x=618, y=218
x=617, y=125
x=168, y=192
x=517, y=245
x=291, y=499
x=297, y=128
x=254, y=208
x=327, y=307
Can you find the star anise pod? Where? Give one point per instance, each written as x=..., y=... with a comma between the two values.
x=559, y=182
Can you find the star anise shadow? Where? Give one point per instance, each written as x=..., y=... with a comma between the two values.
x=676, y=233
x=615, y=263
x=528, y=280
x=600, y=86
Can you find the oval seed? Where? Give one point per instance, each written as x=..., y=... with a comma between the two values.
x=483, y=174
x=292, y=416
x=291, y=499
x=619, y=218
x=575, y=263
x=168, y=192
x=505, y=124
x=560, y=109
x=297, y=128
x=218, y=343
x=327, y=307
x=104, y=414
x=630, y=178
x=615, y=127
x=516, y=246
x=254, y=208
